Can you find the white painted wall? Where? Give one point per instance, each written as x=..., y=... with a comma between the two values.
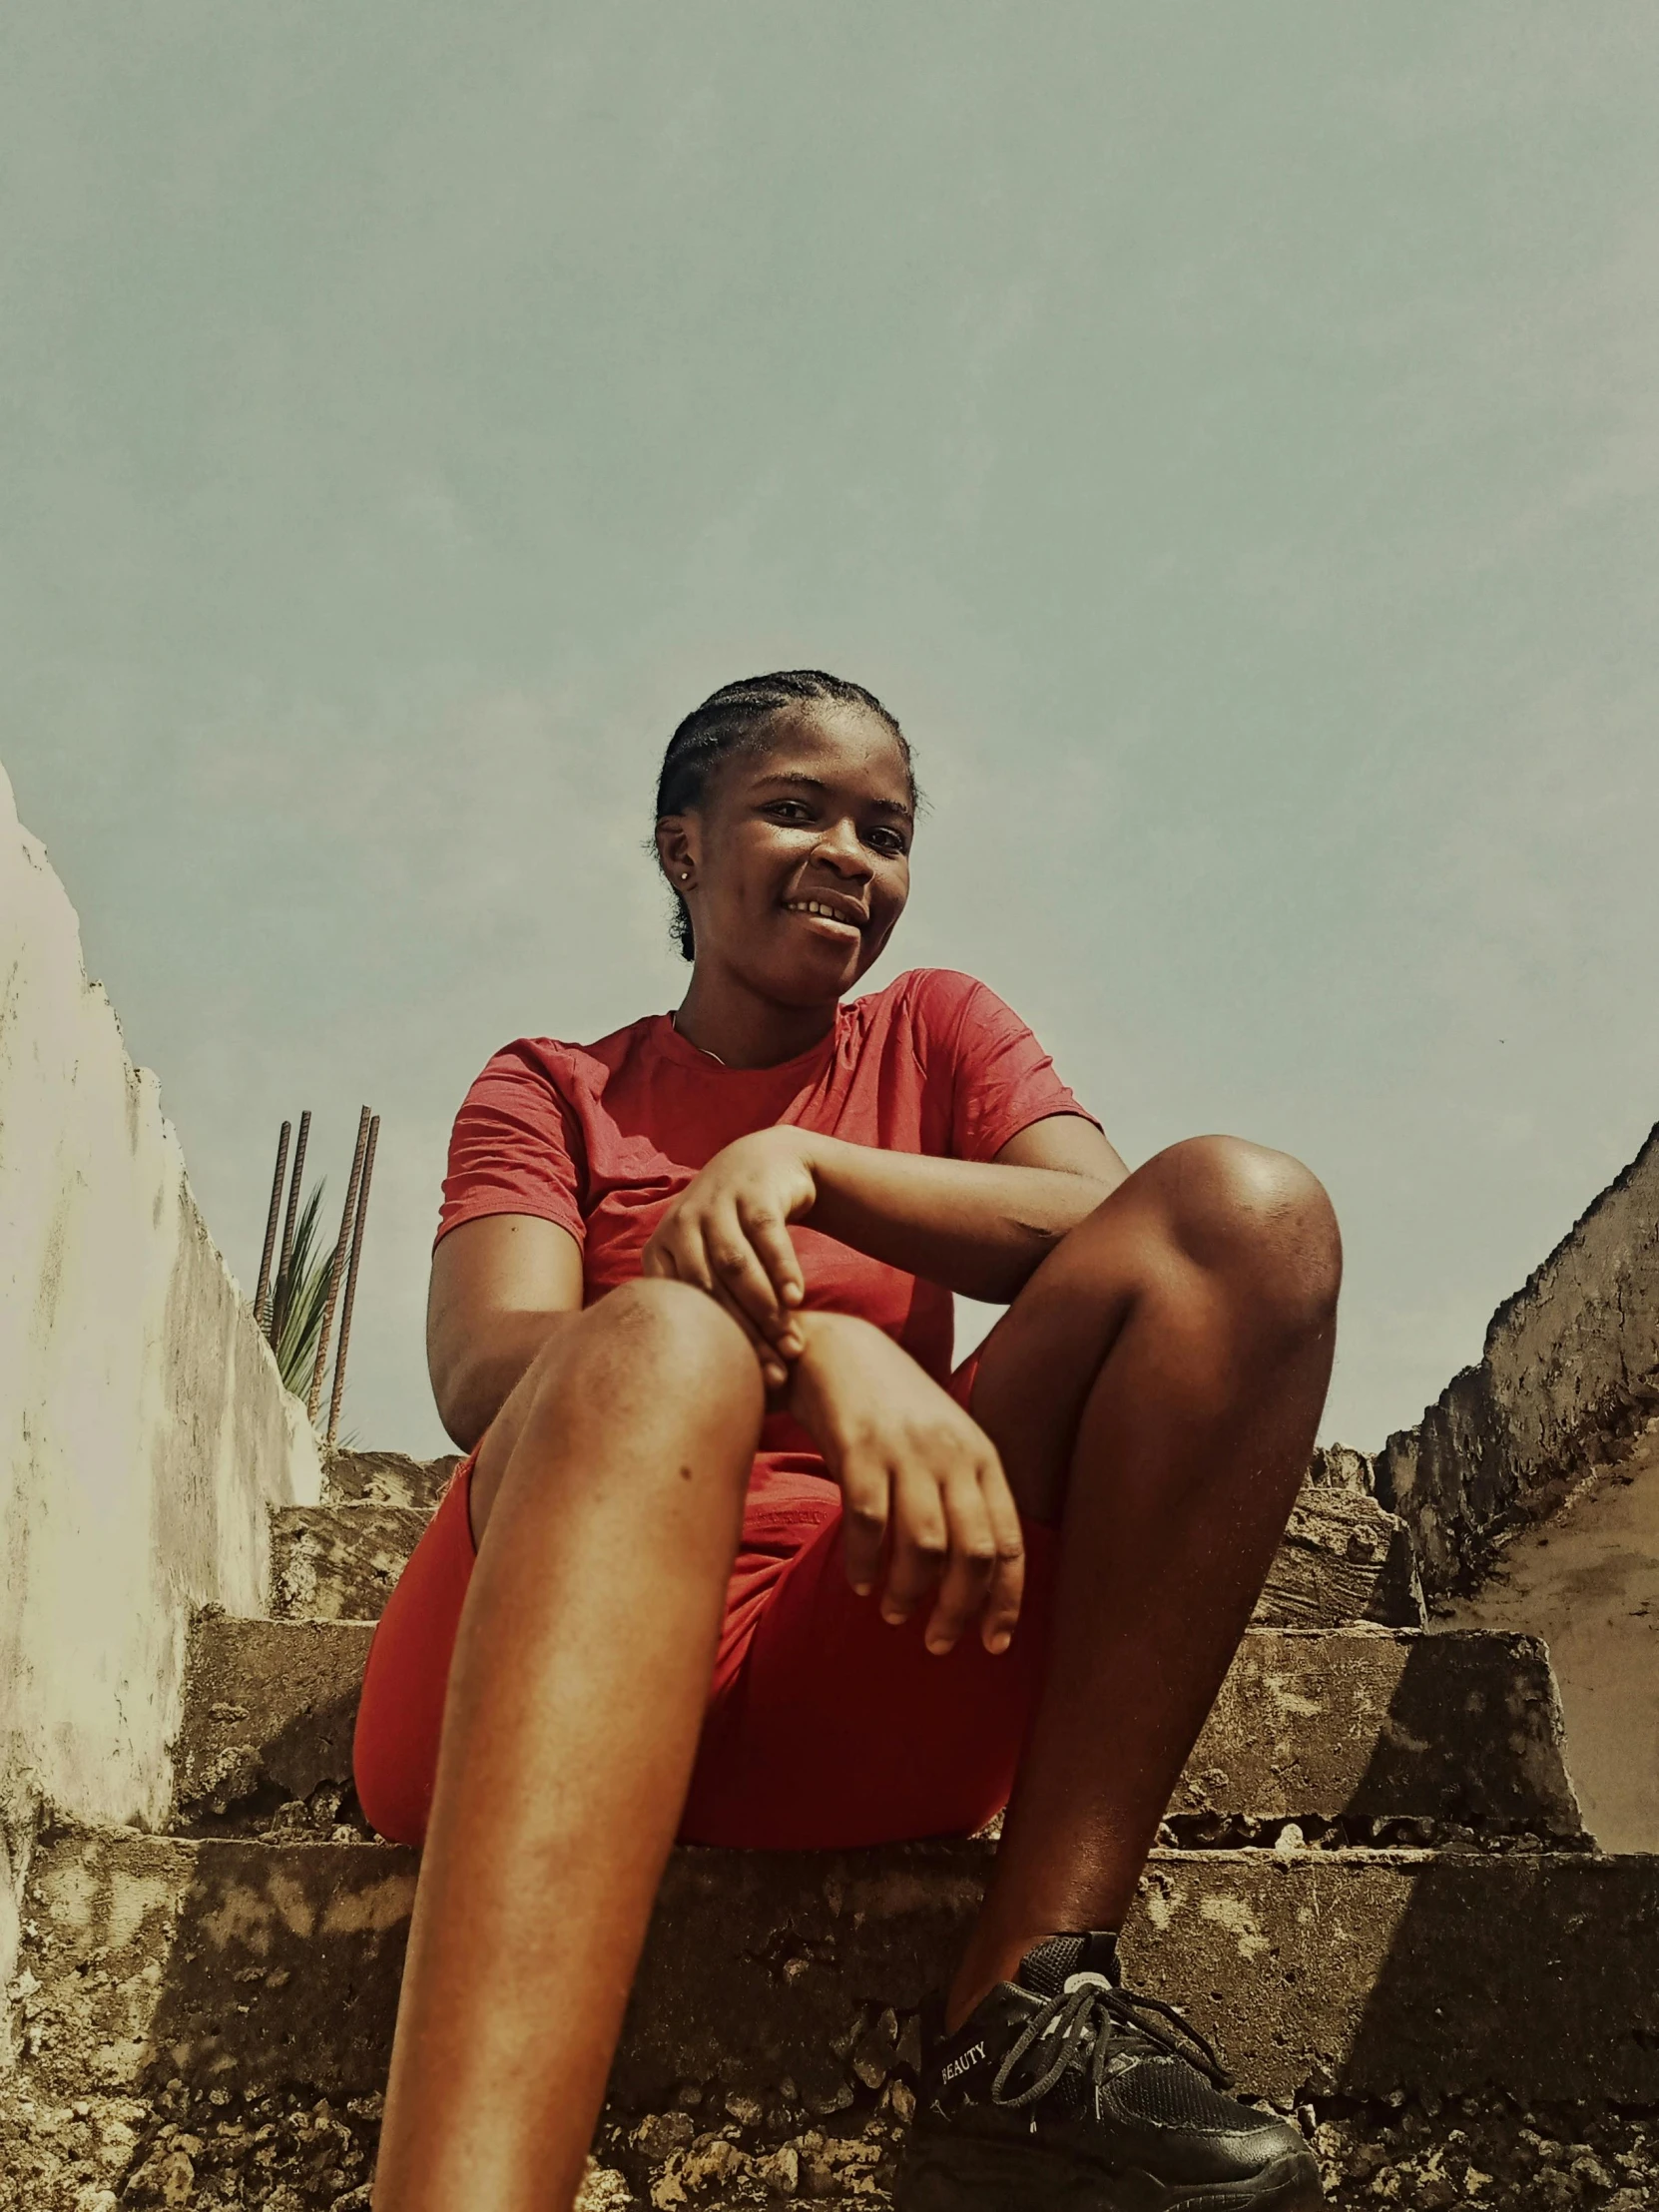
x=144, y=1430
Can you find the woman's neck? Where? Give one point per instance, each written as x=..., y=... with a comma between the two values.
x=744, y=1030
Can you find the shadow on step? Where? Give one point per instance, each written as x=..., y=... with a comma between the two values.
x=1473, y=1736
x=1353, y=1972
x=1538, y=1977
x=258, y=1961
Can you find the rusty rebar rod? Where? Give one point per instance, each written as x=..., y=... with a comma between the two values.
x=349, y=1215
x=352, y=1280
x=284, y=1288
x=271, y=1224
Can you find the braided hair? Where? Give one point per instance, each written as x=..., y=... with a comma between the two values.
x=733, y=718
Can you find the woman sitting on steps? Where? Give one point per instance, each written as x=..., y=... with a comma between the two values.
x=736, y=1557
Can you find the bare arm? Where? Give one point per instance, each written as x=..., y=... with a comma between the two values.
x=979, y=1227
x=500, y=1286
x=976, y=1225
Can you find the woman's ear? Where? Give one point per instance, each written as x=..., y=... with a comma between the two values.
x=676, y=848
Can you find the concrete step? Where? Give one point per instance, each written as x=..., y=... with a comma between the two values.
x=1354, y=1725
x=1344, y=1559
x=386, y=1478
x=339, y=1563
x=794, y=1982
x=338, y=1560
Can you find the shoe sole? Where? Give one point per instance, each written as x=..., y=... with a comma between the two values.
x=970, y=2176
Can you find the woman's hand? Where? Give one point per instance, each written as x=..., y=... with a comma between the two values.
x=728, y=1232
x=922, y=1484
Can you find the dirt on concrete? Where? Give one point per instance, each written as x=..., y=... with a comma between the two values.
x=1587, y=1582
x=216, y=2150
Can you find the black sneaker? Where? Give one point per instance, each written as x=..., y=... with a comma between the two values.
x=1063, y=2088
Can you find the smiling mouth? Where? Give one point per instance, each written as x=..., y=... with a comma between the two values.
x=818, y=911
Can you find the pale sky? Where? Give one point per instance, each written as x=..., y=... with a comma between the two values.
x=1228, y=438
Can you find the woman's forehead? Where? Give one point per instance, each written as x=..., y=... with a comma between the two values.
x=835, y=743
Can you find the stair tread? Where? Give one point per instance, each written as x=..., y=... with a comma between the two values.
x=1350, y=1972
x=1363, y=1723
x=387, y=1478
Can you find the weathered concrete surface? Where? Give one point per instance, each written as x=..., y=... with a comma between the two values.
x=1365, y=1971
x=1365, y=1723
x=245, y=1961
x=270, y=1707
x=208, y=2151
x=1344, y=1559
x=1360, y=1971
x=339, y=1563
x=144, y=1431
x=1588, y=1580
x=215, y=2147
x=386, y=1478
x=1340, y=1467
x=1428, y=2155
x=1374, y=1725
x=1420, y=2154
x=1569, y=1377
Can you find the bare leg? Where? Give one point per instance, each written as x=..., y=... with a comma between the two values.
x=612, y=1484
x=1155, y=1389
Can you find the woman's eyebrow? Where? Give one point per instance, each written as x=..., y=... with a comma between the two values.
x=817, y=783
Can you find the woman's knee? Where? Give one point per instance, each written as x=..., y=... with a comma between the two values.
x=653, y=1364
x=1252, y=1215
x=667, y=1342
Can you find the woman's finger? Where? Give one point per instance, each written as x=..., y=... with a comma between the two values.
x=865, y=1486
x=684, y=1256
x=769, y=1233
x=737, y=1264
x=681, y=1241
x=773, y=1368
x=919, y=1544
x=972, y=1561
x=1008, y=1590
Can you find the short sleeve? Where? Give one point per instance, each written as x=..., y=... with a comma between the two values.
x=513, y=1149
x=1001, y=1079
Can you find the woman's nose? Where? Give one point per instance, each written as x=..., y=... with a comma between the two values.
x=844, y=850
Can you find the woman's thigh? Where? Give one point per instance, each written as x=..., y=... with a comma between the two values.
x=1029, y=1381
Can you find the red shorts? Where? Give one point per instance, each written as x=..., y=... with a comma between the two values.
x=825, y=1728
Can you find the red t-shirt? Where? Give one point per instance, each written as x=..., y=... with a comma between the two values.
x=600, y=1138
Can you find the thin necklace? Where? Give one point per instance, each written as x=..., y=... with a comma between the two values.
x=674, y=1024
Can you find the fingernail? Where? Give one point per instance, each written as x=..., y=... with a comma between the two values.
x=862, y=1589
x=893, y=1619
x=999, y=1642
x=938, y=1648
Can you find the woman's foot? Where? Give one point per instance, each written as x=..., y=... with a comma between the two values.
x=1063, y=2088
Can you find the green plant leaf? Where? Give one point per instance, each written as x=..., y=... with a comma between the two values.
x=301, y=1293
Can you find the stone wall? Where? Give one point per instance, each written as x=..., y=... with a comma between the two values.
x=1568, y=1378
x=144, y=1430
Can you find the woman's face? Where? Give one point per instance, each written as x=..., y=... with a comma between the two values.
x=799, y=855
